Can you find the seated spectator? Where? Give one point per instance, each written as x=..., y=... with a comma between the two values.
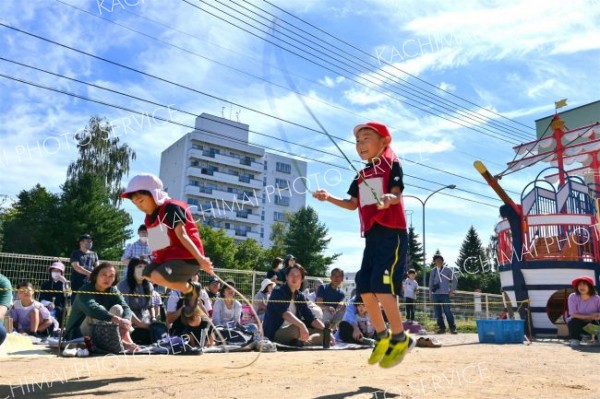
x=101, y=301
x=56, y=283
x=356, y=324
x=5, y=304
x=140, y=303
x=276, y=273
x=584, y=308
x=30, y=316
x=193, y=325
x=288, y=320
x=262, y=297
x=330, y=299
x=226, y=309
x=313, y=295
x=213, y=289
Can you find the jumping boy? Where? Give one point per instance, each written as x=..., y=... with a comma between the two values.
x=177, y=252
x=377, y=193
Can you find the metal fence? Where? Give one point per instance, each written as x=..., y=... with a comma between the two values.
x=465, y=305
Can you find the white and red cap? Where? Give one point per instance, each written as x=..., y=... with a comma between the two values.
x=379, y=128
x=147, y=182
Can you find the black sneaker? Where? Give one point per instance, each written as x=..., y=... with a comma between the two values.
x=440, y=331
x=453, y=332
x=191, y=299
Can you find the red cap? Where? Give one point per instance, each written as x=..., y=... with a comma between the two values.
x=588, y=279
x=379, y=128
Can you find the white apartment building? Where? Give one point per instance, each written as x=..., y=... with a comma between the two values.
x=229, y=183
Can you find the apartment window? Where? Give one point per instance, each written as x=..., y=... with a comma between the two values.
x=194, y=183
x=192, y=201
x=265, y=165
x=196, y=146
x=282, y=183
x=283, y=167
x=195, y=163
x=283, y=201
x=279, y=217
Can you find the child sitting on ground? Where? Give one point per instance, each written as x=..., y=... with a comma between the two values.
x=30, y=316
x=356, y=325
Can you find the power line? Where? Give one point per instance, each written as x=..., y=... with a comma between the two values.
x=205, y=131
x=225, y=123
x=457, y=121
x=466, y=111
x=391, y=65
x=247, y=56
x=167, y=81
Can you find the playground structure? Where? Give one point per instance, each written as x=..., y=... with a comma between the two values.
x=553, y=235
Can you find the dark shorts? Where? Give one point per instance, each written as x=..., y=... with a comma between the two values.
x=384, y=262
x=175, y=271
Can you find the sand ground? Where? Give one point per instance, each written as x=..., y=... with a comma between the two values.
x=462, y=368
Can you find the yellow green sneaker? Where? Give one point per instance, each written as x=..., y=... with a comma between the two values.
x=381, y=347
x=396, y=352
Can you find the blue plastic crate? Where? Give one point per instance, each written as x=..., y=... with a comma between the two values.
x=501, y=331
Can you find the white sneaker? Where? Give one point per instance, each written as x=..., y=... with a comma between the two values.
x=69, y=352
x=83, y=352
x=574, y=343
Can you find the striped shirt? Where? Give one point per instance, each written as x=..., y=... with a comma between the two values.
x=137, y=250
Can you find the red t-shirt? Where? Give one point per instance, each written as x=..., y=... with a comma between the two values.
x=162, y=240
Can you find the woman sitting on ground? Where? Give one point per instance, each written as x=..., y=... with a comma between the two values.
x=30, y=316
x=53, y=291
x=100, y=300
x=262, y=297
x=227, y=310
x=584, y=308
x=140, y=303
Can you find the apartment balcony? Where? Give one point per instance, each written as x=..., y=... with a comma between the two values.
x=217, y=212
x=243, y=235
x=242, y=163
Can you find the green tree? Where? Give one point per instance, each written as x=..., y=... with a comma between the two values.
x=415, y=252
x=306, y=238
x=249, y=255
x=491, y=279
x=472, y=262
x=30, y=224
x=101, y=155
x=86, y=208
x=218, y=246
x=277, y=249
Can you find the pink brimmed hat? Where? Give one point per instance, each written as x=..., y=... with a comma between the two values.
x=147, y=182
x=58, y=266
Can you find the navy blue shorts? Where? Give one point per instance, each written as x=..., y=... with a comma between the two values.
x=384, y=262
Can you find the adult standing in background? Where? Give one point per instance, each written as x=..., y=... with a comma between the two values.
x=442, y=284
x=83, y=261
x=139, y=249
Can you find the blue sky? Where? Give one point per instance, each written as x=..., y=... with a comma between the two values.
x=514, y=58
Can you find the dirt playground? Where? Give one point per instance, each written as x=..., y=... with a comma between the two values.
x=462, y=368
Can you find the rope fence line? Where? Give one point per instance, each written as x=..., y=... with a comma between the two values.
x=274, y=300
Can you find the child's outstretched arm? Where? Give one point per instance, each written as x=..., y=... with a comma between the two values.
x=202, y=260
x=350, y=203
